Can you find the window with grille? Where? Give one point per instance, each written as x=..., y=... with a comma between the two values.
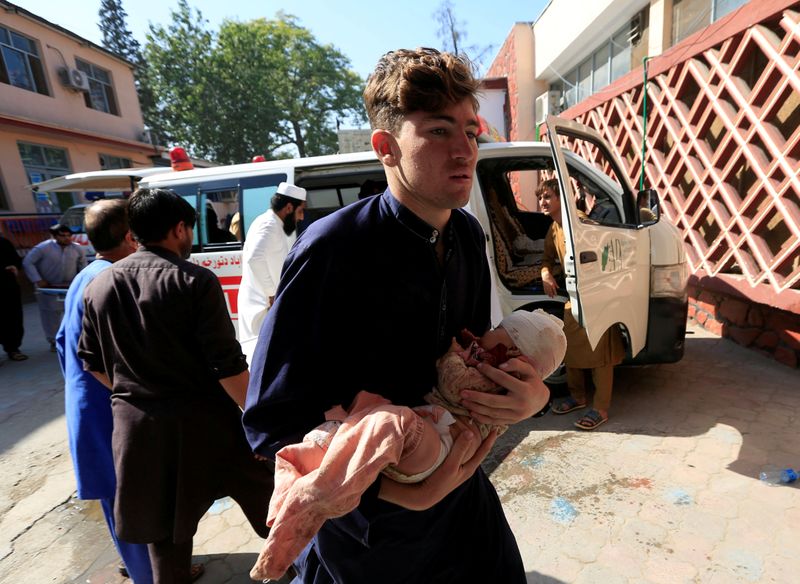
x=101, y=91
x=20, y=64
x=109, y=162
x=43, y=163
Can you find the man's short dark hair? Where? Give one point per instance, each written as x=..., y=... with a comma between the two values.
x=106, y=223
x=153, y=212
x=279, y=201
x=405, y=81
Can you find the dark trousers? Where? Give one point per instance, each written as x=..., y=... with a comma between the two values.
x=171, y=562
x=11, y=330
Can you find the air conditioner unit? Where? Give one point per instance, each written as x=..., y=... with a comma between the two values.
x=75, y=79
x=546, y=104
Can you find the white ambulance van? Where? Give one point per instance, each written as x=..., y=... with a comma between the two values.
x=626, y=268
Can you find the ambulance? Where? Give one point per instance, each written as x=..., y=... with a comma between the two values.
x=626, y=269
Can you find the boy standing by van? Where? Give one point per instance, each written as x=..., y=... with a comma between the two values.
x=363, y=286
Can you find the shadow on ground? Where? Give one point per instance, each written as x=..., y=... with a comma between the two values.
x=716, y=383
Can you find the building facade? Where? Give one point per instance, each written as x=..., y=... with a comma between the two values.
x=700, y=99
x=66, y=105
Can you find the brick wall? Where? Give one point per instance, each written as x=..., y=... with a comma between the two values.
x=504, y=65
x=768, y=330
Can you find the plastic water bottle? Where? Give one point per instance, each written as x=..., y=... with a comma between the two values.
x=776, y=477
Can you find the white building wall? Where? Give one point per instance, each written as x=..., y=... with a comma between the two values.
x=568, y=30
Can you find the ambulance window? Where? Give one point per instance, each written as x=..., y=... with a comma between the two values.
x=320, y=202
x=256, y=202
x=192, y=200
x=350, y=195
x=217, y=211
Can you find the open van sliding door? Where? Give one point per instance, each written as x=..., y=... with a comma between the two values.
x=607, y=261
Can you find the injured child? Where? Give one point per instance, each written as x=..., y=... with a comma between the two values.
x=325, y=475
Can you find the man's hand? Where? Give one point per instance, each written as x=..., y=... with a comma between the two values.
x=12, y=269
x=456, y=468
x=526, y=394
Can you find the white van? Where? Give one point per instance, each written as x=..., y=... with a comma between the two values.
x=630, y=268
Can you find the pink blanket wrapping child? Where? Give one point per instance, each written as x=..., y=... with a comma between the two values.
x=325, y=475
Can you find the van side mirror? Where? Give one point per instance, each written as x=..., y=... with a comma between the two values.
x=648, y=207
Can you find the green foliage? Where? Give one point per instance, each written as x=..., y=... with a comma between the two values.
x=177, y=61
x=119, y=39
x=116, y=35
x=256, y=87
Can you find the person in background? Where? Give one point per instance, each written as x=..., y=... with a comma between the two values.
x=12, y=330
x=581, y=358
x=156, y=330
x=215, y=233
x=398, y=274
x=87, y=401
x=266, y=245
x=235, y=227
x=53, y=264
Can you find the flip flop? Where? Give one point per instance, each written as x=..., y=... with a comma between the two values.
x=568, y=405
x=591, y=420
x=17, y=356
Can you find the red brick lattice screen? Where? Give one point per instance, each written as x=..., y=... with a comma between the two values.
x=723, y=151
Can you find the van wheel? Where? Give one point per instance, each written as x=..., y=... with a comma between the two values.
x=557, y=382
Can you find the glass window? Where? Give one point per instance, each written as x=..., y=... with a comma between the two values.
x=43, y=163
x=585, y=79
x=216, y=213
x=571, y=93
x=689, y=16
x=20, y=64
x=620, y=54
x=256, y=202
x=724, y=7
x=601, y=68
x=109, y=162
x=323, y=198
x=101, y=92
x=350, y=195
x=192, y=200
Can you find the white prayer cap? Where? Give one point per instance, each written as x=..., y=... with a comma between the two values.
x=292, y=191
x=539, y=336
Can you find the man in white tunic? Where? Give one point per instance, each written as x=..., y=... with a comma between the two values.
x=53, y=264
x=265, y=248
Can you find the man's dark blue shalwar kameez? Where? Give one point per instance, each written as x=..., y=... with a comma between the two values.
x=364, y=304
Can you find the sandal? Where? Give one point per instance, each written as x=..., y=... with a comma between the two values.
x=568, y=405
x=17, y=356
x=591, y=420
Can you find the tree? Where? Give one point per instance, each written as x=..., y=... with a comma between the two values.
x=119, y=39
x=451, y=34
x=177, y=71
x=289, y=88
x=254, y=87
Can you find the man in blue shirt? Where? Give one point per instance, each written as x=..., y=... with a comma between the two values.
x=369, y=298
x=88, y=402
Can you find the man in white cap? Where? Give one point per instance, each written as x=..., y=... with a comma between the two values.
x=265, y=248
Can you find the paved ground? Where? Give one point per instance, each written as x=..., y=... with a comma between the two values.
x=665, y=492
